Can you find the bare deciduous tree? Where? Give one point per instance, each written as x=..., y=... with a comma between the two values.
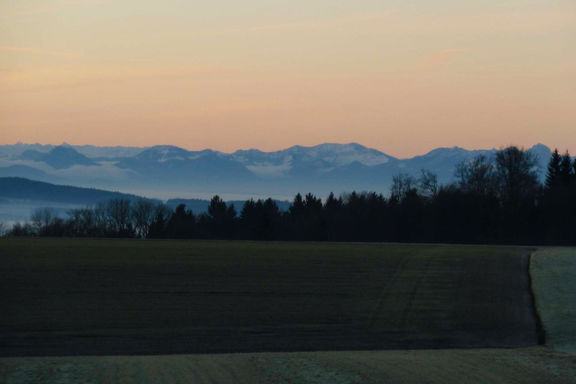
x=516, y=173
x=83, y=221
x=401, y=185
x=428, y=183
x=143, y=214
x=476, y=176
x=42, y=218
x=118, y=212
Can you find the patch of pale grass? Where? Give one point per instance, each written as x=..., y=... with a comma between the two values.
x=473, y=366
x=554, y=282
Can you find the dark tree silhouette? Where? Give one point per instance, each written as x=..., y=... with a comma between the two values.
x=182, y=224
x=259, y=219
x=297, y=207
x=427, y=183
x=558, y=205
x=516, y=175
x=476, y=176
x=221, y=218
x=566, y=169
x=494, y=200
x=118, y=213
x=554, y=170
x=402, y=184
x=143, y=213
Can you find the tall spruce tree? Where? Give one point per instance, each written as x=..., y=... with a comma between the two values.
x=221, y=218
x=333, y=204
x=297, y=206
x=565, y=169
x=554, y=170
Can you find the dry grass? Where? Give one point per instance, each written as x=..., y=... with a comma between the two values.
x=554, y=279
x=529, y=365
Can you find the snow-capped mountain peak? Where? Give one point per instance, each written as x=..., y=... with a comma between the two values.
x=319, y=169
x=163, y=153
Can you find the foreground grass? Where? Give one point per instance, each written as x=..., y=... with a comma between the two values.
x=554, y=279
x=102, y=297
x=528, y=365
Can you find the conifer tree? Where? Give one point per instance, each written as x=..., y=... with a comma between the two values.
x=333, y=204
x=565, y=169
x=554, y=170
x=312, y=204
x=297, y=206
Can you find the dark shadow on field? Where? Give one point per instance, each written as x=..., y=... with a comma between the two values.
x=106, y=297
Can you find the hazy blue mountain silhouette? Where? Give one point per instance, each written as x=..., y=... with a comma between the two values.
x=168, y=163
x=31, y=190
x=318, y=169
x=59, y=157
x=24, y=171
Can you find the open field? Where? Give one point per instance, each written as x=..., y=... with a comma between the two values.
x=553, y=273
x=472, y=366
x=112, y=297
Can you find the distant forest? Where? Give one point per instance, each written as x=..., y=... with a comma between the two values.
x=497, y=200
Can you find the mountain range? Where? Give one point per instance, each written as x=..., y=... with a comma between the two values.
x=166, y=171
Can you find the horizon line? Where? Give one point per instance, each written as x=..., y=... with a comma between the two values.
x=64, y=143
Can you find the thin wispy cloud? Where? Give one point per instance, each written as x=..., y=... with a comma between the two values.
x=37, y=51
x=86, y=76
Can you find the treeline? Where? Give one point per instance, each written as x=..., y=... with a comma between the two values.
x=493, y=200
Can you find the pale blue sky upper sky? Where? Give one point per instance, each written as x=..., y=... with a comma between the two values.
x=401, y=76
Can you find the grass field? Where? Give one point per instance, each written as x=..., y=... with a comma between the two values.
x=473, y=366
x=554, y=278
x=109, y=297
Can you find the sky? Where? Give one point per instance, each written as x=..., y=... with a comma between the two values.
x=400, y=76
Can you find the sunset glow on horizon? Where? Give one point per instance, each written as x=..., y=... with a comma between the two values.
x=269, y=74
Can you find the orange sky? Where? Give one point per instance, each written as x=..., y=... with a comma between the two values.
x=402, y=78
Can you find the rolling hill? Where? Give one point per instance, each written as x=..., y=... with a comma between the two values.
x=24, y=189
